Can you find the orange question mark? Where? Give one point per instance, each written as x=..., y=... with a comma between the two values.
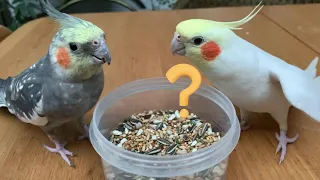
x=176, y=72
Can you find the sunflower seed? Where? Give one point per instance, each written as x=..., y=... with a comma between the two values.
x=116, y=132
x=195, y=137
x=198, y=123
x=135, y=121
x=177, y=114
x=195, y=119
x=204, y=129
x=193, y=143
x=164, y=141
x=173, y=152
x=172, y=116
x=126, y=130
x=210, y=131
x=121, y=142
x=138, y=126
x=171, y=148
x=154, y=151
x=185, y=127
x=121, y=127
x=192, y=128
x=128, y=126
x=159, y=126
x=156, y=121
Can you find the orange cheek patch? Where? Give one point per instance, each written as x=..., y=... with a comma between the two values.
x=63, y=57
x=210, y=51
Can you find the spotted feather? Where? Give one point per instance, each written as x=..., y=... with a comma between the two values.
x=23, y=96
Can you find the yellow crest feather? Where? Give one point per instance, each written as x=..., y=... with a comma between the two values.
x=71, y=26
x=192, y=26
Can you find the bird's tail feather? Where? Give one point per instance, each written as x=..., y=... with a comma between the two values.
x=2, y=95
x=312, y=68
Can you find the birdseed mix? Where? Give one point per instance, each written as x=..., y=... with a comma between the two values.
x=160, y=133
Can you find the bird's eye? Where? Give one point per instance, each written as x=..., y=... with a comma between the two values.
x=73, y=46
x=197, y=40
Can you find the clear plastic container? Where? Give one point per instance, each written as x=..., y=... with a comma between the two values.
x=158, y=93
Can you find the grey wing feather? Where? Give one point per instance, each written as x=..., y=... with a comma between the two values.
x=23, y=97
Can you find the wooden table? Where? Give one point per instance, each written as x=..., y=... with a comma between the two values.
x=139, y=43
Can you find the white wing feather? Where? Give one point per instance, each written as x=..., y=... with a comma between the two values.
x=301, y=88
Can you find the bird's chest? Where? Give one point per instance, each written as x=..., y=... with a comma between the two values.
x=72, y=99
x=252, y=92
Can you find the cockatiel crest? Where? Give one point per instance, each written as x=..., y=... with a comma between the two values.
x=73, y=42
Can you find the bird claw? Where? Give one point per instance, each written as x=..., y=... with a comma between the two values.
x=85, y=134
x=244, y=126
x=62, y=151
x=244, y=120
x=283, y=141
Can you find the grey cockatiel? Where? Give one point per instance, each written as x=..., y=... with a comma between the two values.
x=64, y=84
x=253, y=79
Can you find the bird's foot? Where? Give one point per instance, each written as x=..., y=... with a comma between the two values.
x=61, y=150
x=244, y=125
x=283, y=141
x=85, y=133
x=244, y=120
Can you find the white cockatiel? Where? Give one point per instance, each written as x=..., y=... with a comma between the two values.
x=253, y=79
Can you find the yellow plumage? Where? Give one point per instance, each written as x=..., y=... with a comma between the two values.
x=189, y=28
x=85, y=32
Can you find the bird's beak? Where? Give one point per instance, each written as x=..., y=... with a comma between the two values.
x=102, y=54
x=177, y=47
